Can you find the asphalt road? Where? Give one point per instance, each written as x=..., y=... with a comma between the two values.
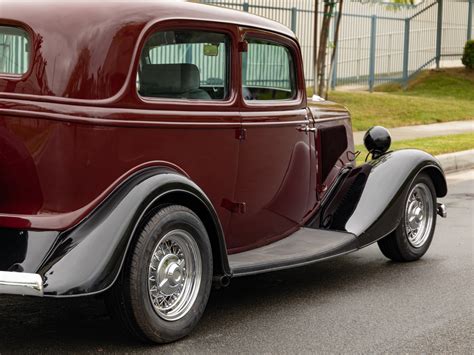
x=357, y=303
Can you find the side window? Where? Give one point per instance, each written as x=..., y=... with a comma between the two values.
x=185, y=64
x=14, y=53
x=268, y=72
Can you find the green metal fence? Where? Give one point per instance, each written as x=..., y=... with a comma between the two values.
x=14, y=52
x=378, y=43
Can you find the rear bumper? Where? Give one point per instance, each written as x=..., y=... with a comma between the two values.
x=21, y=283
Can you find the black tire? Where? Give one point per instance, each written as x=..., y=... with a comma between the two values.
x=397, y=246
x=129, y=300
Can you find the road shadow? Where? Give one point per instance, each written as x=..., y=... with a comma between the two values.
x=83, y=325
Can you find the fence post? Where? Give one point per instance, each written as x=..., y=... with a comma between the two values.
x=469, y=20
x=389, y=57
x=245, y=6
x=439, y=32
x=373, y=33
x=293, y=19
x=334, y=69
x=359, y=49
x=406, y=52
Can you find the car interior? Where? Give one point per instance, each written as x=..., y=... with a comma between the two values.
x=180, y=81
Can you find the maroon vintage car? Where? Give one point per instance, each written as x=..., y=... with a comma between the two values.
x=151, y=150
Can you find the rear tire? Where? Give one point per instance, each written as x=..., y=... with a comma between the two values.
x=164, y=287
x=413, y=236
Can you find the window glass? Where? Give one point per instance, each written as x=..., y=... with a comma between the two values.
x=268, y=72
x=14, y=53
x=185, y=64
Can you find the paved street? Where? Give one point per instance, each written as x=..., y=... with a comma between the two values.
x=357, y=303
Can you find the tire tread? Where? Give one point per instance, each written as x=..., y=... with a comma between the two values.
x=121, y=302
x=395, y=246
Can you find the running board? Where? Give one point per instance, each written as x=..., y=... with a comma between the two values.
x=303, y=247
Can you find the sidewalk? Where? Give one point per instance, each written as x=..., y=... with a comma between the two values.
x=422, y=131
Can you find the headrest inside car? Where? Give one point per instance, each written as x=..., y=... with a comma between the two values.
x=156, y=79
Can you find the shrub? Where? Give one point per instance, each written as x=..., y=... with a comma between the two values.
x=468, y=56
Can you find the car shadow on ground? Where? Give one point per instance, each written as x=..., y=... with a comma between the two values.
x=83, y=324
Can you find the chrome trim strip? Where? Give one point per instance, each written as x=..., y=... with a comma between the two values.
x=21, y=283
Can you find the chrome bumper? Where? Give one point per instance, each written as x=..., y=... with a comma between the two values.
x=20, y=283
x=442, y=210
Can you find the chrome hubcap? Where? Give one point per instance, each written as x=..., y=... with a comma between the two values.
x=419, y=215
x=174, y=275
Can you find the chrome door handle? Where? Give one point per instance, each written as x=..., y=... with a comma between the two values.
x=306, y=128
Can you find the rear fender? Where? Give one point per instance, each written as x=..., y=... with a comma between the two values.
x=89, y=258
x=369, y=202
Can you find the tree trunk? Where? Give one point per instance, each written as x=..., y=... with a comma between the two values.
x=336, y=41
x=315, y=48
x=323, y=42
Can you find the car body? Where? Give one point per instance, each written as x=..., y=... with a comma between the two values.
x=101, y=127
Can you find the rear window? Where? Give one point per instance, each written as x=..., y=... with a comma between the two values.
x=14, y=50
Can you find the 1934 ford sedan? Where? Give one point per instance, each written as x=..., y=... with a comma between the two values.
x=151, y=150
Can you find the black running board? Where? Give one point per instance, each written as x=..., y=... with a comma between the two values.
x=305, y=246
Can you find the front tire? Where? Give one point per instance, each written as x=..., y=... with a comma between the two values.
x=413, y=236
x=165, y=285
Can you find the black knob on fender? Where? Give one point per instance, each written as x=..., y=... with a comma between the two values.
x=377, y=140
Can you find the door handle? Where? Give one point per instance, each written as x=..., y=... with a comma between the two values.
x=306, y=128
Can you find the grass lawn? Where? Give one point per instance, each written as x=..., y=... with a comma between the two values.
x=432, y=145
x=433, y=96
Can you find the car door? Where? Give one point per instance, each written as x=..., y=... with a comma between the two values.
x=272, y=184
x=187, y=82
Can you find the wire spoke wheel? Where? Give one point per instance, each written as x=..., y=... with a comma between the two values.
x=412, y=237
x=419, y=215
x=174, y=275
x=166, y=281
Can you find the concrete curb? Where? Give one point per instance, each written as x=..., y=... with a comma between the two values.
x=457, y=161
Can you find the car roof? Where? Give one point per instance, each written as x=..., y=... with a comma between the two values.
x=79, y=41
x=113, y=12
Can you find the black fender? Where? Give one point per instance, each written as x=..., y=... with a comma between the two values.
x=88, y=258
x=369, y=200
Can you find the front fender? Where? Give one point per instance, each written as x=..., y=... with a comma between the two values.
x=370, y=201
x=88, y=258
